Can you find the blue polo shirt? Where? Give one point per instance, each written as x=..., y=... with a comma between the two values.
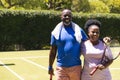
x=68, y=49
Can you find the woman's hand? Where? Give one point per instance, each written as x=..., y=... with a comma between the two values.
x=107, y=40
x=100, y=66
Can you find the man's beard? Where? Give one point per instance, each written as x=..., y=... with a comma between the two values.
x=67, y=22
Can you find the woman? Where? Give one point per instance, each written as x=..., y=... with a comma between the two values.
x=93, y=50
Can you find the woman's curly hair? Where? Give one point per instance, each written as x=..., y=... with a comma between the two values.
x=92, y=22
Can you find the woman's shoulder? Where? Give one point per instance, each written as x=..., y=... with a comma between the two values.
x=86, y=42
x=102, y=42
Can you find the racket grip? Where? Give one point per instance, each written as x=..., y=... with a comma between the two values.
x=50, y=76
x=93, y=71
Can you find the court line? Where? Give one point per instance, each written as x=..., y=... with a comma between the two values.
x=24, y=57
x=47, y=69
x=11, y=71
x=114, y=68
x=29, y=61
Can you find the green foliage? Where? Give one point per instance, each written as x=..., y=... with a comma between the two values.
x=31, y=29
x=61, y=4
x=80, y=5
x=4, y=3
x=23, y=4
x=98, y=7
x=114, y=6
x=33, y=4
x=104, y=1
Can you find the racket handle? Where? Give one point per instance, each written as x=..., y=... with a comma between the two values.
x=50, y=76
x=93, y=71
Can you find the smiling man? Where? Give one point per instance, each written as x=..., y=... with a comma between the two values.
x=65, y=44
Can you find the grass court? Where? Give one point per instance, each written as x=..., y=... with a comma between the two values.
x=32, y=65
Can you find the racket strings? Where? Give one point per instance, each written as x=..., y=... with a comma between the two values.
x=116, y=56
x=105, y=60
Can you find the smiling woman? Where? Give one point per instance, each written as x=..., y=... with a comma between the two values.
x=93, y=29
x=93, y=50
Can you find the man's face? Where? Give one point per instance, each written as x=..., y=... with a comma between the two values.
x=66, y=17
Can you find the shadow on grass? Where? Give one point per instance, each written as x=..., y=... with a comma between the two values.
x=11, y=64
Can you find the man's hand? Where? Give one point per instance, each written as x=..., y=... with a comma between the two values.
x=51, y=71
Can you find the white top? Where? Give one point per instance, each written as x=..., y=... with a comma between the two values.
x=92, y=56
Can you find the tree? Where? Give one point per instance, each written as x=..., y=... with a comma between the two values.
x=25, y=4
x=114, y=6
x=80, y=5
x=10, y=3
x=98, y=7
x=59, y=4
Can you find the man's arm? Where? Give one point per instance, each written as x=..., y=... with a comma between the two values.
x=52, y=56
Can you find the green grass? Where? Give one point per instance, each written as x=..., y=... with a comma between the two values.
x=32, y=65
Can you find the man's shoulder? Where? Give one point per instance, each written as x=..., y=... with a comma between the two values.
x=60, y=23
x=75, y=24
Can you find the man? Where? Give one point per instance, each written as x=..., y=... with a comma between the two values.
x=65, y=43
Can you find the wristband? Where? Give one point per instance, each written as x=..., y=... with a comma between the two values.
x=50, y=67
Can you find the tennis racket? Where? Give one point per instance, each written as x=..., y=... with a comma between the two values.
x=104, y=62
x=105, y=59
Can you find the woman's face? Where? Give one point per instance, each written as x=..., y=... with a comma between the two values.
x=93, y=33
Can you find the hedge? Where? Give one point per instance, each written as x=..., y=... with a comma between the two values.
x=31, y=30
